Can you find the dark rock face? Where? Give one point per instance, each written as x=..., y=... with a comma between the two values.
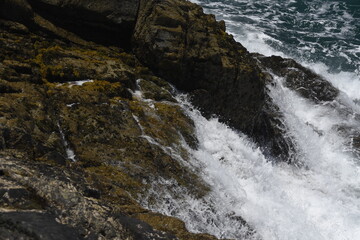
x=16, y=10
x=121, y=139
x=45, y=112
x=303, y=80
x=193, y=51
x=109, y=22
x=66, y=212
x=33, y=225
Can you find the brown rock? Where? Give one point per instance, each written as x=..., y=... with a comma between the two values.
x=110, y=22
x=309, y=84
x=16, y=10
x=192, y=50
x=121, y=141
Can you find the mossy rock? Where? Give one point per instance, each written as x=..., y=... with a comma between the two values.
x=165, y=122
x=65, y=64
x=171, y=225
x=45, y=112
x=150, y=90
x=116, y=180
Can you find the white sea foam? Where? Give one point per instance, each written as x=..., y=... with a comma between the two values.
x=261, y=35
x=280, y=201
x=320, y=199
x=347, y=82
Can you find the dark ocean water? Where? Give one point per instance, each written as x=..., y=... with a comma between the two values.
x=326, y=31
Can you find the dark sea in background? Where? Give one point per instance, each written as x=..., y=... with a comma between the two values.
x=312, y=30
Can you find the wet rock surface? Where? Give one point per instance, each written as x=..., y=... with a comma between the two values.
x=34, y=225
x=63, y=102
x=307, y=83
x=193, y=51
x=88, y=118
x=108, y=22
x=16, y=10
x=66, y=209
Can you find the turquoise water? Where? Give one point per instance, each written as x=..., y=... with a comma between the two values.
x=309, y=30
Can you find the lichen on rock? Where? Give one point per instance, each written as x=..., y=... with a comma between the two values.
x=94, y=79
x=54, y=90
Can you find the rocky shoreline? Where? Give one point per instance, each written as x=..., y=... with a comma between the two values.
x=88, y=111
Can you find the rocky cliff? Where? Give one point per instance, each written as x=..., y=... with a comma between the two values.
x=88, y=115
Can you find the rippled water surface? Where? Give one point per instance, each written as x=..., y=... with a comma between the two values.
x=313, y=30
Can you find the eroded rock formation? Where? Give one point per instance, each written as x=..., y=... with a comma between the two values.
x=80, y=143
x=301, y=79
x=193, y=51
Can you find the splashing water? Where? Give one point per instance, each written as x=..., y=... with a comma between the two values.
x=280, y=201
x=320, y=199
x=322, y=35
